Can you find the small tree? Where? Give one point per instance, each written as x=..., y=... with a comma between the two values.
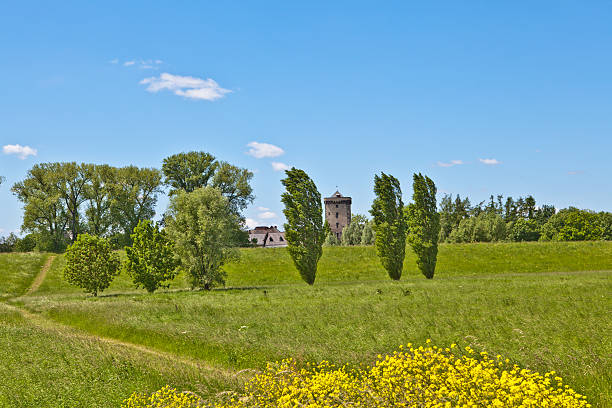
x=150, y=260
x=91, y=264
x=331, y=239
x=367, y=236
x=390, y=224
x=202, y=224
x=423, y=222
x=304, y=231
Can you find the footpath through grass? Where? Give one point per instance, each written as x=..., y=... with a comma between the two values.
x=507, y=299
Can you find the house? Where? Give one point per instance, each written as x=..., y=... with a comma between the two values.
x=268, y=237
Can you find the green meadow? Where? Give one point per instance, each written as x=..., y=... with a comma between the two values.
x=545, y=306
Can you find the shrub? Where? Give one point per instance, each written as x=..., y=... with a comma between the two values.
x=572, y=224
x=167, y=397
x=91, y=264
x=411, y=377
x=150, y=260
x=367, y=236
x=485, y=227
x=25, y=244
x=8, y=243
x=524, y=230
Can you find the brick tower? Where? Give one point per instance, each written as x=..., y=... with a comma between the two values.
x=337, y=213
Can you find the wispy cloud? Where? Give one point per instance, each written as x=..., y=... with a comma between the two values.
x=129, y=63
x=263, y=209
x=266, y=215
x=114, y=61
x=278, y=166
x=261, y=150
x=490, y=162
x=21, y=151
x=186, y=86
x=574, y=173
x=138, y=63
x=451, y=163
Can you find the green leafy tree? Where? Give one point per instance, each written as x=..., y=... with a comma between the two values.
x=99, y=195
x=91, y=264
x=234, y=184
x=134, y=195
x=72, y=181
x=523, y=230
x=201, y=225
x=351, y=234
x=367, y=236
x=331, y=239
x=44, y=212
x=304, y=230
x=390, y=224
x=188, y=171
x=150, y=260
x=572, y=224
x=423, y=221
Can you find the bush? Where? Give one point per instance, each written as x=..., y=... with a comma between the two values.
x=485, y=227
x=7, y=244
x=572, y=224
x=167, y=397
x=46, y=242
x=412, y=377
x=150, y=260
x=523, y=230
x=91, y=264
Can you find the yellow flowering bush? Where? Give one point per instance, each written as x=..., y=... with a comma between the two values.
x=167, y=397
x=411, y=377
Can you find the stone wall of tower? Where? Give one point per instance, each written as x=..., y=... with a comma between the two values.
x=338, y=213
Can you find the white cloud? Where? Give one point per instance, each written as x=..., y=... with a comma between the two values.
x=262, y=209
x=159, y=62
x=490, y=161
x=278, y=166
x=114, y=61
x=129, y=63
x=261, y=150
x=574, y=173
x=266, y=215
x=21, y=151
x=250, y=223
x=187, y=86
x=451, y=163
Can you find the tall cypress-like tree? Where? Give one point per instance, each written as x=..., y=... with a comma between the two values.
x=389, y=224
x=304, y=230
x=423, y=222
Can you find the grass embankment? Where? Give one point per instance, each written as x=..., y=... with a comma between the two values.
x=506, y=299
x=17, y=271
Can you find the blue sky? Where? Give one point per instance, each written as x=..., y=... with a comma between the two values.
x=518, y=95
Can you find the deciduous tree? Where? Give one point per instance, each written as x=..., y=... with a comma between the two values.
x=390, y=224
x=201, y=225
x=304, y=230
x=424, y=224
x=188, y=171
x=150, y=260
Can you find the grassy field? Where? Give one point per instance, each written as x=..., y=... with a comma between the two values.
x=545, y=306
x=17, y=271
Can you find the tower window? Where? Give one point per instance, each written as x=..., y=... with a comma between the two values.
x=336, y=205
x=336, y=215
x=337, y=225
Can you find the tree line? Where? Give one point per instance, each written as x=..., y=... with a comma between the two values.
x=62, y=200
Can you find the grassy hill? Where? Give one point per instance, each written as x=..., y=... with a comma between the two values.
x=545, y=306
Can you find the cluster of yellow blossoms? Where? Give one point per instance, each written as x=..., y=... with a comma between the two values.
x=411, y=377
x=166, y=397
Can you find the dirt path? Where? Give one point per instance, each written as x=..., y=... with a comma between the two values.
x=39, y=279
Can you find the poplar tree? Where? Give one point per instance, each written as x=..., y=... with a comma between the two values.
x=423, y=222
x=304, y=230
x=389, y=224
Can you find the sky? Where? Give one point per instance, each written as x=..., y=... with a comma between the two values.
x=511, y=98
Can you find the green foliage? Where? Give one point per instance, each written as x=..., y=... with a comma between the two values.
x=8, y=243
x=47, y=242
x=188, y=171
x=523, y=230
x=134, y=195
x=351, y=234
x=367, y=235
x=201, y=224
x=390, y=224
x=304, y=230
x=572, y=224
x=150, y=260
x=91, y=264
x=234, y=184
x=485, y=227
x=99, y=194
x=423, y=223
x=331, y=239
